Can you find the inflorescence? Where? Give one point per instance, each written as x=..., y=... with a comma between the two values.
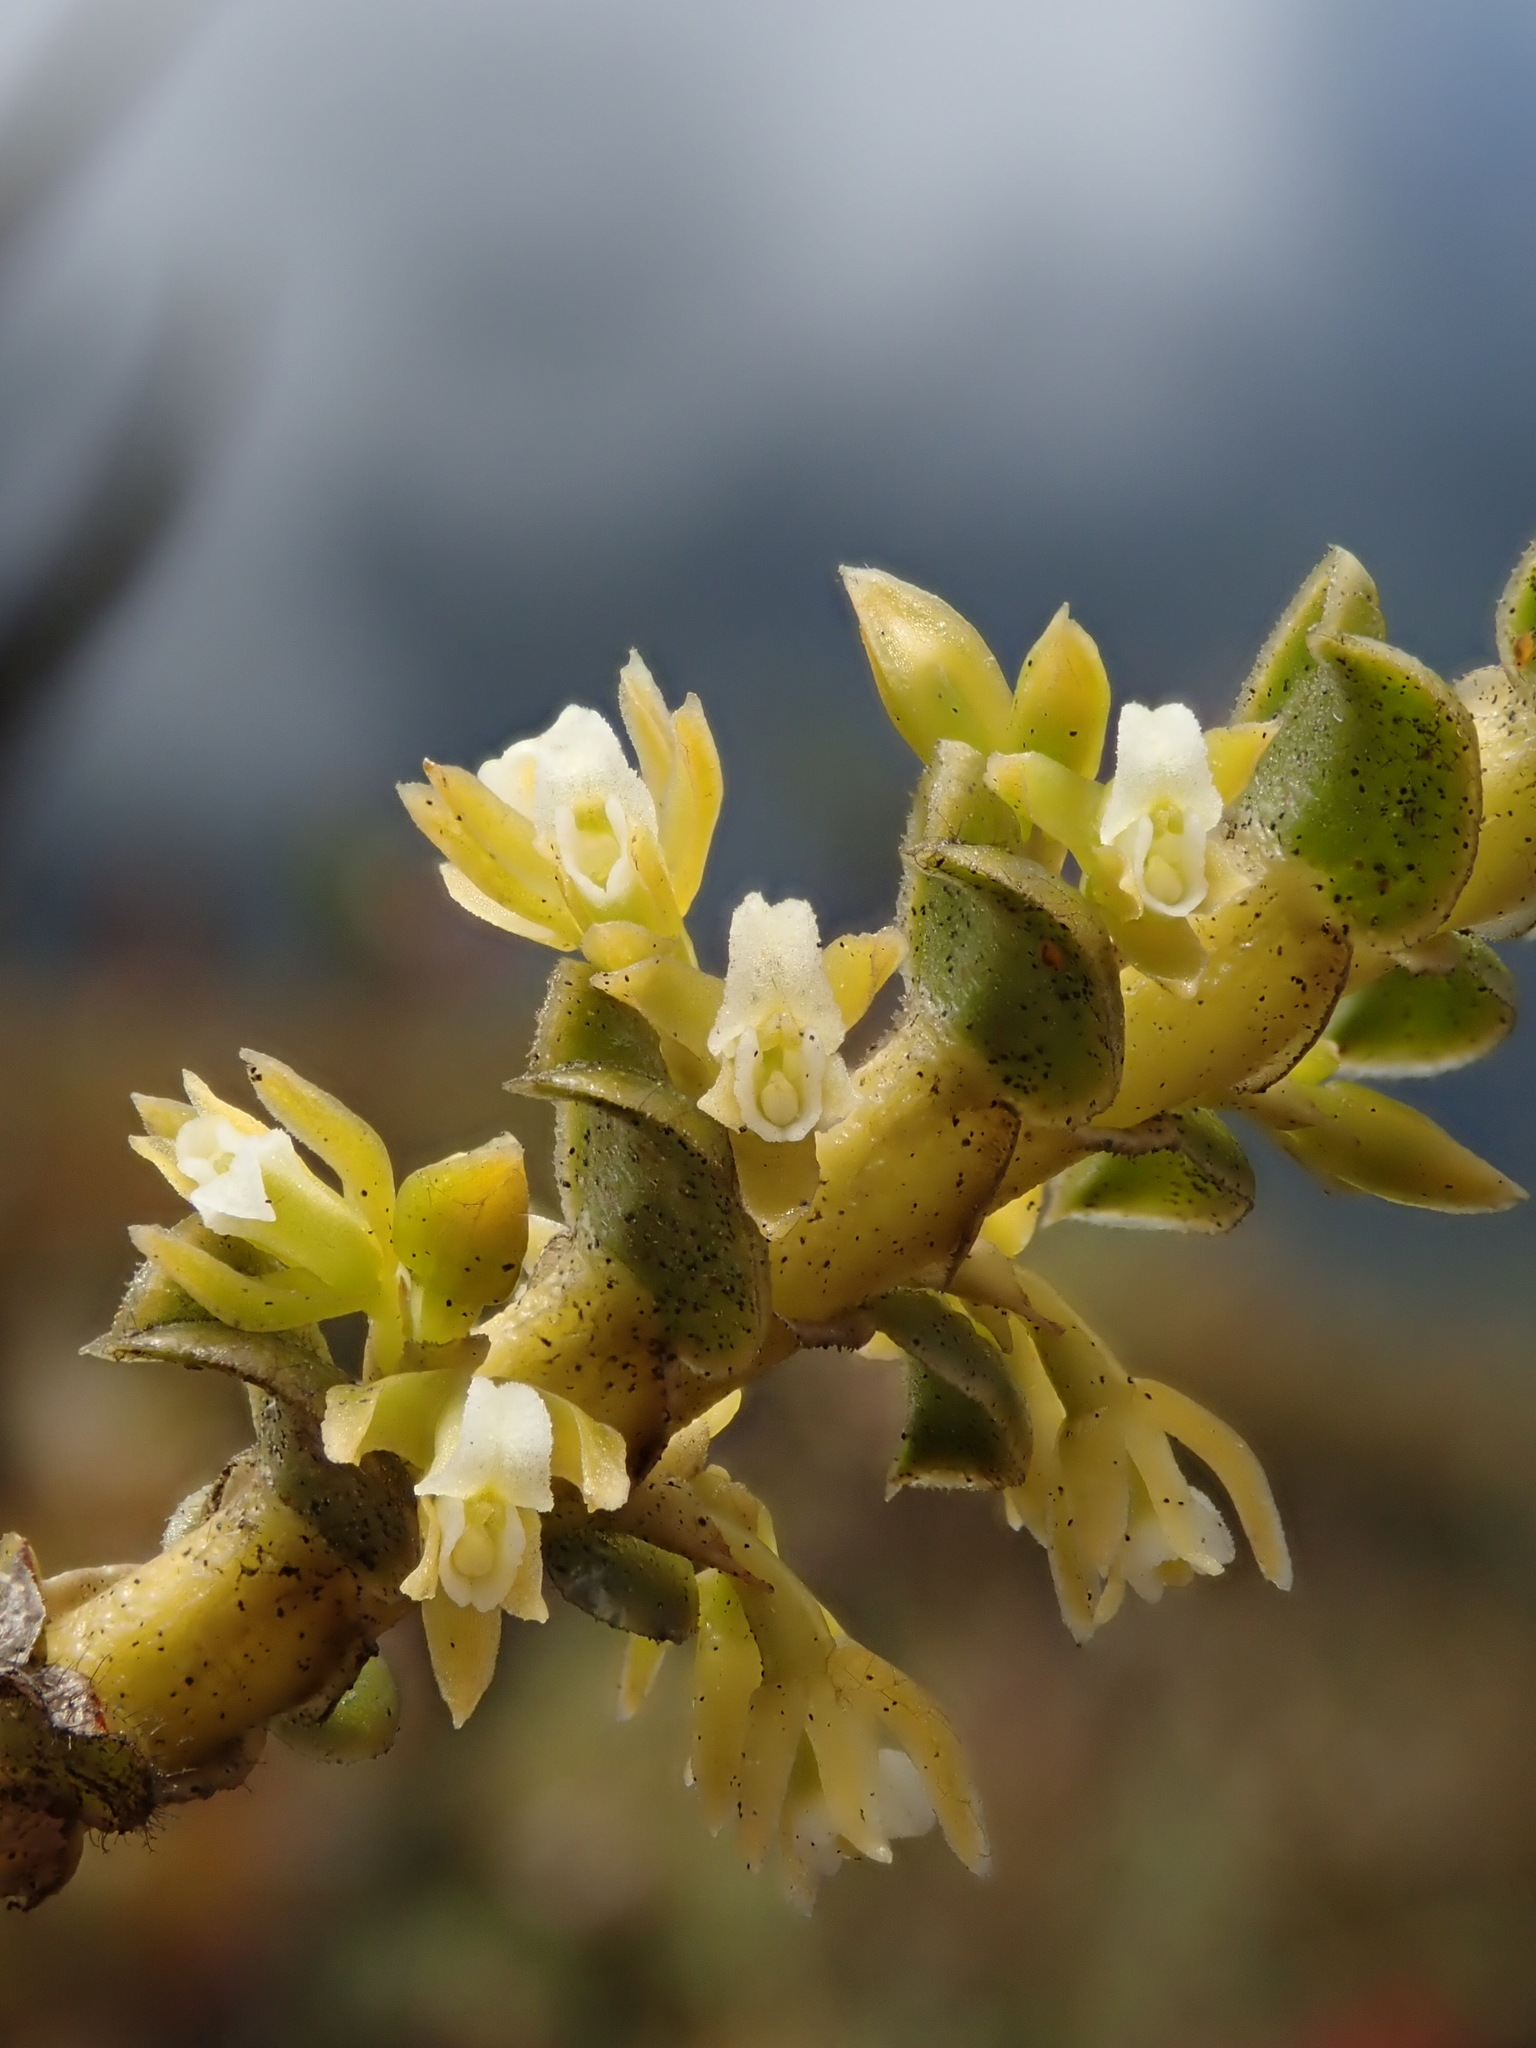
x=1260, y=920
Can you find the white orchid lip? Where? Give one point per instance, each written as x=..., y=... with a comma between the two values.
x=227, y=1168
x=584, y=801
x=778, y=1029
x=493, y=1463
x=1161, y=806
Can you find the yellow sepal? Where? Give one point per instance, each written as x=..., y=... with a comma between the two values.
x=462, y=1644
x=1061, y=704
x=351, y=1148
x=588, y=1454
x=1234, y=752
x=267, y=1301
x=936, y=676
x=727, y=1670
x=858, y=967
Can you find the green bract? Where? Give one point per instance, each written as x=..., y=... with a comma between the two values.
x=1373, y=781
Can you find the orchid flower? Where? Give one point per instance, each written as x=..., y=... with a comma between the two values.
x=559, y=837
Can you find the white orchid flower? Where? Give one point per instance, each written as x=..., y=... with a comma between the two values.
x=778, y=1028
x=585, y=803
x=1162, y=805
x=227, y=1169
x=482, y=1496
x=559, y=836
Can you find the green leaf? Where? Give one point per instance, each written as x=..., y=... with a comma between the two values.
x=1016, y=966
x=1353, y=1138
x=950, y=1345
x=1339, y=597
x=1373, y=780
x=362, y=1725
x=1201, y=1182
x=950, y=1440
x=623, y=1581
x=647, y=1178
x=1426, y=1023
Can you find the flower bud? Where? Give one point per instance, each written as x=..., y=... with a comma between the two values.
x=936, y=676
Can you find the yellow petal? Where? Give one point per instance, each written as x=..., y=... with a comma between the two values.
x=642, y=1661
x=674, y=997
x=1379, y=1146
x=904, y=1711
x=936, y=676
x=422, y=1583
x=162, y=1115
x=618, y=943
x=1011, y=1227
x=267, y=1301
x=858, y=967
x=1061, y=704
x=644, y=712
x=1078, y=1585
x=489, y=911
x=1093, y=1470
x=1233, y=752
x=525, y=1601
x=398, y=1413
x=511, y=872
x=206, y=1103
x=351, y=1148
x=727, y=1670
x=1167, y=1488
x=1165, y=947
x=1040, y=791
x=775, y=1724
x=589, y=1454
x=504, y=836
x=462, y=1231
x=161, y=1154
x=462, y=1643
x=1219, y=1446
x=776, y=1181
x=692, y=804
x=848, y=1763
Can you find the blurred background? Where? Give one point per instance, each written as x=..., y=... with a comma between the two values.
x=372, y=375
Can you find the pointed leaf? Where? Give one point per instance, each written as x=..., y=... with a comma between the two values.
x=1378, y=1146
x=1427, y=1023
x=623, y=1581
x=950, y=1441
x=1201, y=1183
x=941, y=1337
x=1338, y=596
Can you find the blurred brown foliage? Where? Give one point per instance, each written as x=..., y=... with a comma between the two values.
x=1300, y=1821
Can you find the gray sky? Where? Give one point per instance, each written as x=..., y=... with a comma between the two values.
x=560, y=325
